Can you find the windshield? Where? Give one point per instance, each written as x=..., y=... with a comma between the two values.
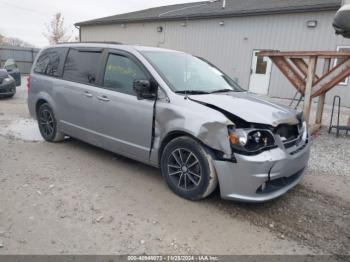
x=186, y=73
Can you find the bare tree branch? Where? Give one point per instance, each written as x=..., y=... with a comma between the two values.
x=13, y=41
x=56, y=31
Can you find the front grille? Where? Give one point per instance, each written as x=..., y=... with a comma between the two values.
x=1, y=79
x=289, y=135
x=6, y=90
x=300, y=148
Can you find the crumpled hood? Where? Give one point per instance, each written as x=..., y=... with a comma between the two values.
x=250, y=108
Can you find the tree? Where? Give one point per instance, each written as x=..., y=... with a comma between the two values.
x=13, y=41
x=56, y=31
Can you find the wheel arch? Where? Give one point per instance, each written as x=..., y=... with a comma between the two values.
x=40, y=102
x=210, y=154
x=45, y=98
x=179, y=133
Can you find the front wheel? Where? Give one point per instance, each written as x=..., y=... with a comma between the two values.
x=48, y=124
x=188, y=169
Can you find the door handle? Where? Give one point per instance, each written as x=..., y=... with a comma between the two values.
x=103, y=98
x=87, y=94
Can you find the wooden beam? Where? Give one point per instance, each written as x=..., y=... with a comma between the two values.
x=305, y=54
x=335, y=69
x=290, y=73
x=308, y=88
x=314, y=128
x=334, y=77
x=322, y=98
x=302, y=66
x=293, y=67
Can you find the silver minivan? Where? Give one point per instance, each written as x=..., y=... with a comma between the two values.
x=170, y=110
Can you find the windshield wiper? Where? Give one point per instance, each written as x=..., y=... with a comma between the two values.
x=222, y=91
x=192, y=92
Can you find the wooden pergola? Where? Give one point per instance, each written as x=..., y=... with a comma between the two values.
x=300, y=69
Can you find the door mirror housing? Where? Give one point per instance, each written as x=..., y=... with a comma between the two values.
x=144, y=89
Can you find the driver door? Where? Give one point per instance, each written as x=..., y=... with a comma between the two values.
x=124, y=123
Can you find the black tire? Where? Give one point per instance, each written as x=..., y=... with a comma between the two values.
x=191, y=176
x=48, y=124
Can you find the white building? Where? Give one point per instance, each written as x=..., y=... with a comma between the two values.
x=228, y=33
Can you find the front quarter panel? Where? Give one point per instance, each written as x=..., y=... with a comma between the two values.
x=188, y=117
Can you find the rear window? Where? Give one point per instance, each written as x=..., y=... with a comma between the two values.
x=82, y=66
x=51, y=62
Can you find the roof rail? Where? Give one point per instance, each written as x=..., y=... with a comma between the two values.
x=93, y=42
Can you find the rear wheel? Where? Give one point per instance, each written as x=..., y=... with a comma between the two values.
x=48, y=125
x=188, y=169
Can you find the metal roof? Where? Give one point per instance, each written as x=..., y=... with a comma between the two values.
x=214, y=9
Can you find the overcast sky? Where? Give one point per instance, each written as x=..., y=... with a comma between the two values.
x=26, y=19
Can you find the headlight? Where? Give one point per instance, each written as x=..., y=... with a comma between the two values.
x=250, y=140
x=7, y=79
x=304, y=131
x=302, y=127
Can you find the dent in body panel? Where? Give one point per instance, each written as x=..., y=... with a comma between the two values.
x=250, y=108
x=188, y=117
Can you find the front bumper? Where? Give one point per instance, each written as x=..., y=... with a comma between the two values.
x=262, y=177
x=7, y=89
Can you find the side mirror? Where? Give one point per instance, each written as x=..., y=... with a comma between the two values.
x=144, y=89
x=341, y=22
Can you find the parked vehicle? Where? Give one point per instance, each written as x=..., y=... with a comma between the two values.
x=341, y=21
x=173, y=111
x=7, y=84
x=11, y=67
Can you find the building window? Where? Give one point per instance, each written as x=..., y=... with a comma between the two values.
x=342, y=48
x=261, y=65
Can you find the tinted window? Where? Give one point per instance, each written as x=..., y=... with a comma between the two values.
x=51, y=62
x=82, y=66
x=120, y=74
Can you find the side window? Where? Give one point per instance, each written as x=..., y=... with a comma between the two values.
x=120, y=74
x=82, y=66
x=51, y=62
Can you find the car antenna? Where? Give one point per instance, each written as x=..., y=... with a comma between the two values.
x=186, y=65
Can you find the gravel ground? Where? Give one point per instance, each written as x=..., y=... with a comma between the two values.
x=329, y=161
x=73, y=198
x=344, y=112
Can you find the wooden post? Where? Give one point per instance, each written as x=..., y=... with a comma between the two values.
x=308, y=88
x=322, y=98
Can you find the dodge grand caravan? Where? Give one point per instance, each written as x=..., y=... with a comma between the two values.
x=171, y=110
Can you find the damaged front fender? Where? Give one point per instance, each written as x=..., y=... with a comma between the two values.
x=188, y=117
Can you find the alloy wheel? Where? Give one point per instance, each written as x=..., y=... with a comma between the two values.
x=46, y=122
x=184, y=169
